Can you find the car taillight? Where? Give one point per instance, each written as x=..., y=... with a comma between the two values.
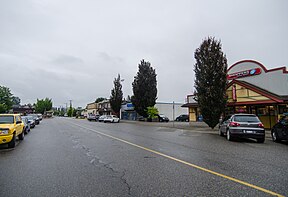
x=260, y=125
x=234, y=124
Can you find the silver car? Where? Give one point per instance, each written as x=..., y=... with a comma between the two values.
x=242, y=126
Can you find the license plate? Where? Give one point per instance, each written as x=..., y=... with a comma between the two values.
x=247, y=131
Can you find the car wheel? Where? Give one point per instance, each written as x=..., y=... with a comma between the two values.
x=228, y=135
x=275, y=137
x=21, y=136
x=261, y=140
x=12, y=143
x=220, y=132
x=26, y=131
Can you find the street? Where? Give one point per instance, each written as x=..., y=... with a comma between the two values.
x=71, y=157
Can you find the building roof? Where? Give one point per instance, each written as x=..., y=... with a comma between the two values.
x=273, y=80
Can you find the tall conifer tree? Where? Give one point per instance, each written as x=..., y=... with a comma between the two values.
x=116, y=95
x=144, y=88
x=211, y=80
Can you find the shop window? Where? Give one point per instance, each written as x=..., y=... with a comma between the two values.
x=283, y=109
x=241, y=109
x=262, y=111
x=272, y=110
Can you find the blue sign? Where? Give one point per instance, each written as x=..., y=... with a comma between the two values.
x=130, y=105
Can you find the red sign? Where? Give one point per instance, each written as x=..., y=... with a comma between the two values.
x=234, y=95
x=246, y=73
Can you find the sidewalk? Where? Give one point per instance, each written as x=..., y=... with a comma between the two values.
x=192, y=126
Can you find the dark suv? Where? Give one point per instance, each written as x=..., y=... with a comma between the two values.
x=183, y=118
x=243, y=126
x=280, y=130
x=162, y=118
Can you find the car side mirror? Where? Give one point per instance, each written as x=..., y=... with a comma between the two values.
x=18, y=122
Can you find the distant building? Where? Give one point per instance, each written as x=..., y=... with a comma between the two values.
x=171, y=110
x=104, y=107
x=92, y=108
x=101, y=108
x=23, y=109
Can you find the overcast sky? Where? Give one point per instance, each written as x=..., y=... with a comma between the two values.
x=72, y=49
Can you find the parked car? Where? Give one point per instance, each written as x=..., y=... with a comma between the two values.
x=40, y=116
x=243, y=126
x=36, y=118
x=111, y=118
x=140, y=118
x=94, y=117
x=101, y=118
x=11, y=126
x=31, y=120
x=26, y=124
x=280, y=130
x=163, y=118
x=183, y=118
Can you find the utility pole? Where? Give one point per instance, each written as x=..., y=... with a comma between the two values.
x=173, y=112
x=66, y=108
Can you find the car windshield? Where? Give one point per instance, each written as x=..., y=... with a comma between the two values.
x=30, y=117
x=6, y=119
x=246, y=119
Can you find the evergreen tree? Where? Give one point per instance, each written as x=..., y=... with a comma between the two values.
x=211, y=81
x=144, y=88
x=116, y=95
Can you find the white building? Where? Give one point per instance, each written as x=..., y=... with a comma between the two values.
x=171, y=110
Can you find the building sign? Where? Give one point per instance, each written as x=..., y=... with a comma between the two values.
x=246, y=73
x=234, y=94
x=128, y=106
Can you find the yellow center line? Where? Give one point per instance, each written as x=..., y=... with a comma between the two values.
x=185, y=162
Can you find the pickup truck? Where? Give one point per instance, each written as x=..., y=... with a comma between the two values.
x=11, y=126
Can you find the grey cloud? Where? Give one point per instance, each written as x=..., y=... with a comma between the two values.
x=73, y=50
x=67, y=59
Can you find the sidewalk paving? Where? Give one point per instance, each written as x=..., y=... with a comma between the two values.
x=200, y=127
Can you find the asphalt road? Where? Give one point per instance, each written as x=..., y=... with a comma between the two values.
x=69, y=157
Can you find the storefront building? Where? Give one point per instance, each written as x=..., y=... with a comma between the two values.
x=252, y=88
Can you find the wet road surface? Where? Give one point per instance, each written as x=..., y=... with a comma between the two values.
x=69, y=157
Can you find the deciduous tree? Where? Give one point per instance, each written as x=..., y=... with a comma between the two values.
x=99, y=99
x=43, y=105
x=6, y=99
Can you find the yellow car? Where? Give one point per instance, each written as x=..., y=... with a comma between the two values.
x=11, y=126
